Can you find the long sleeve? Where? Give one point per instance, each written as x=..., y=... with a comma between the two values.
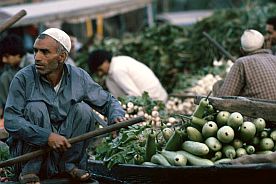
x=101, y=100
x=15, y=123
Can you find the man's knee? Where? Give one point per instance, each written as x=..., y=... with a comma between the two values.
x=82, y=110
x=37, y=109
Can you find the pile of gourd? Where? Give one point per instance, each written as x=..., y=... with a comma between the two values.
x=210, y=136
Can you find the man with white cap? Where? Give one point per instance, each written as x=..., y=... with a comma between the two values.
x=49, y=102
x=252, y=75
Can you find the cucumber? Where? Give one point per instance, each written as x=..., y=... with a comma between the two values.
x=209, y=129
x=195, y=148
x=198, y=121
x=225, y=134
x=223, y=161
x=240, y=152
x=149, y=164
x=175, y=141
x=213, y=143
x=196, y=160
x=229, y=151
x=217, y=156
x=201, y=107
x=247, y=131
x=194, y=134
x=174, y=158
x=210, y=109
x=160, y=160
x=150, y=147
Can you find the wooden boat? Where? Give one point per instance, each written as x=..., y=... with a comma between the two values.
x=221, y=173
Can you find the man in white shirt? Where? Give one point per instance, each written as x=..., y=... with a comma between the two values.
x=126, y=76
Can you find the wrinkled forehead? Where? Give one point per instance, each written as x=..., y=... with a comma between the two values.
x=45, y=41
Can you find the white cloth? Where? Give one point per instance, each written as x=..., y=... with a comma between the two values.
x=251, y=40
x=59, y=36
x=133, y=78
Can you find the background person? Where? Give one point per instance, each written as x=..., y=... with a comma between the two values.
x=125, y=75
x=252, y=75
x=14, y=57
x=270, y=36
x=49, y=102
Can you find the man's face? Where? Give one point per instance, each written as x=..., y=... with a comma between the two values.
x=47, y=60
x=103, y=69
x=13, y=60
x=271, y=35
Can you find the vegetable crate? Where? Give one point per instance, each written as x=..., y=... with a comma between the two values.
x=222, y=173
x=250, y=107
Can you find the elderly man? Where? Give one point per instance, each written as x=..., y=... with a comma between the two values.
x=49, y=102
x=254, y=74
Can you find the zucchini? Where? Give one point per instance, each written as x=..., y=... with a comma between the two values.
x=174, y=158
x=197, y=121
x=201, y=107
x=213, y=143
x=150, y=147
x=194, y=134
x=223, y=161
x=160, y=160
x=149, y=164
x=217, y=156
x=229, y=151
x=196, y=160
x=195, y=148
x=175, y=141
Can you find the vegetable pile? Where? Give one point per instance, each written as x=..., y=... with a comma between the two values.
x=206, y=137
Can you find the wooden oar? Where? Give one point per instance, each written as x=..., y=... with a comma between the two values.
x=73, y=140
x=12, y=20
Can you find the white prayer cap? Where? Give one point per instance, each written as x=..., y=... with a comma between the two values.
x=251, y=40
x=59, y=36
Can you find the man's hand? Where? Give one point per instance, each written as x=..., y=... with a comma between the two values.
x=58, y=142
x=118, y=120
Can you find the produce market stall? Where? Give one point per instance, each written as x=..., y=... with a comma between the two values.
x=71, y=9
x=200, y=167
x=77, y=11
